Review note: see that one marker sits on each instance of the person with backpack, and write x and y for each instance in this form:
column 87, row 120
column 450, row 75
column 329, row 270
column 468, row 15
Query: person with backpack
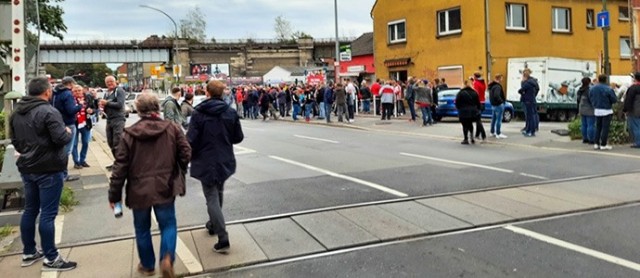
column 171, row 108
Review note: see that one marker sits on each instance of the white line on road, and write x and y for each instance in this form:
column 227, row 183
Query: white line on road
column 184, row 254
column 459, row 163
column 49, row 274
column 317, row 139
column 574, row 247
column 533, row 176
column 341, row 176
column 95, row 186
column 243, row 150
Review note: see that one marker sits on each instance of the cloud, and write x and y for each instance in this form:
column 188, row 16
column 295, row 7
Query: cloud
column 226, row 19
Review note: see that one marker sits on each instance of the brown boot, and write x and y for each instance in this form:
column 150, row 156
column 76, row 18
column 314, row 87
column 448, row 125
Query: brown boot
column 145, row 272
column 167, row 267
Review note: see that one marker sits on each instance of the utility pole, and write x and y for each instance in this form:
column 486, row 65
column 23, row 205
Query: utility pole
column 605, row 34
column 336, row 64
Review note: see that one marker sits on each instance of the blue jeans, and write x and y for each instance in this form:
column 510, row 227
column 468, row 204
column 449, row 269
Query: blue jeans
column 366, row 106
column 84, row 134
column 496, row 119
column 307, row 111
column 588, row 128
column 69, row 146
column 531, row 117
column 322, row 111
column 327, row 108
column 42, row 196
column 166, row 217
column 412, row 108
column 296, row 111
column 634, row 129
column 426, row 115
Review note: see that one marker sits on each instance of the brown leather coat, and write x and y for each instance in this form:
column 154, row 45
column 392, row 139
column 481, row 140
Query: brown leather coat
column 147, row 160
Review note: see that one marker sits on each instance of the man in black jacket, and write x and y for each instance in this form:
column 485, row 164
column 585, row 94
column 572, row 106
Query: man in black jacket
column 497, row 99
column 39, row 135
column 213, row 130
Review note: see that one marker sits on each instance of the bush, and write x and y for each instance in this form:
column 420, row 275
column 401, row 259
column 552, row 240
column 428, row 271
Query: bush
column 618, row 133
column 68, row 199
column 575, row 129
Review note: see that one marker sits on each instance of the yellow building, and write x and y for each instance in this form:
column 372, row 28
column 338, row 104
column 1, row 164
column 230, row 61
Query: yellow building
column 454, row 38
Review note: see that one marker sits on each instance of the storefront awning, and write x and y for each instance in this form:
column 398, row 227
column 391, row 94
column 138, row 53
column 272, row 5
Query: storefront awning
column 397, row 62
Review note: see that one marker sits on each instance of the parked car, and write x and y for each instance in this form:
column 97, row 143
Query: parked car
column 447, row 107
column 130, row 102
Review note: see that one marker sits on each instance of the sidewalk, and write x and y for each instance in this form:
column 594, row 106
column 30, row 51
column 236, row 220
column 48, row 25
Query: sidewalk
column 333, row 229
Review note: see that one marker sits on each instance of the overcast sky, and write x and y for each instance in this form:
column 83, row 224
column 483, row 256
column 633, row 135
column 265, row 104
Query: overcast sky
column 226, row 19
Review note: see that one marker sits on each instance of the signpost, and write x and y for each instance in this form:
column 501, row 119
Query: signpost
column 345, row 53
column 18, row 50
column 604, row 21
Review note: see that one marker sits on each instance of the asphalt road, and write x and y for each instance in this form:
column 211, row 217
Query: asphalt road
column 496, row 252
column 285, row 167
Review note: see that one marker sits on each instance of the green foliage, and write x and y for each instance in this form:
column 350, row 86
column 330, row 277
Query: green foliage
column 50, row 17
column 618, row 133
column 6, row 231
column 90, row 74
column 575, row 129
column 68, row 199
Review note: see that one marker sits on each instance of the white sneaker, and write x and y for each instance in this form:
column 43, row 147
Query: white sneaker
column 494, row 135
column 501, row 136
column 606, row 148
column 596, row 147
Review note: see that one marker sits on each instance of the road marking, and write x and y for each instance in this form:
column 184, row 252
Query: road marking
column 459, row 163
column 576, row 248
column 533, row 176
column 59, row 222
column 317, row 139
column 243, row 150
column 341, row 176
column 184, row 254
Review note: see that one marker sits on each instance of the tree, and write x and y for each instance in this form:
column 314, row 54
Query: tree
column 194, row 25
column 90, row 74
column 282, row 27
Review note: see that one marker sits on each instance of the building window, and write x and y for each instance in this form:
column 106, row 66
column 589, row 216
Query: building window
column 561, row 20
column 516, row 16
column 449, row 22
column 591, row 19
column 397, row 31
column 625, row 47
column 624, row 13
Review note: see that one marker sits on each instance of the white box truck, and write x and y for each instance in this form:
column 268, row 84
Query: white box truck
column 559, row 80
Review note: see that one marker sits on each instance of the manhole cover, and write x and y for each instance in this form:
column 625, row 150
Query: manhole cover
column 561, row 132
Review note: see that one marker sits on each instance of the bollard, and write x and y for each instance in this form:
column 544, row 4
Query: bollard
column 9, row 100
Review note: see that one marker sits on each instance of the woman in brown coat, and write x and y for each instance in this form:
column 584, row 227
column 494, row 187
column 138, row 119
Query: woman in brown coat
column 151, row 160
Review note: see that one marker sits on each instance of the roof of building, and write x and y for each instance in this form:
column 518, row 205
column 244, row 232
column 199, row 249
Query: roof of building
column 363, row 45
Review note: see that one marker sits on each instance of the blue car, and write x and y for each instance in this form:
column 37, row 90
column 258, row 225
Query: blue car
column 447, row 107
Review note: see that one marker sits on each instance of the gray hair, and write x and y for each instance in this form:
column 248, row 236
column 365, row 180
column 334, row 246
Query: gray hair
column 147, row 104
column 38, row 86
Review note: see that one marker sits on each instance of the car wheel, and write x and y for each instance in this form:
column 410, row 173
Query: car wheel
column 437, row 118
column 507, row 116
column 126, row 115
column 562, row 116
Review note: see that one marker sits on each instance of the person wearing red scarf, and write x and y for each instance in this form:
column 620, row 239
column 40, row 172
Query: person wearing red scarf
column 83, row 124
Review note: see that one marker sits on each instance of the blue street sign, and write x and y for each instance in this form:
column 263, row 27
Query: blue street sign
column 603, row 19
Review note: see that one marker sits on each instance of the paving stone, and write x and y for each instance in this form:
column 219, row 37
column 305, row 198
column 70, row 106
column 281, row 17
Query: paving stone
column 539, row 200
column 611, row 188
column 10, row 267
column 465, row 211
column 425, row 217
column 381, row 223
column 244, row 250
column 194, row 266
column 583, row 198
column 282, row 238
column 112, row 259
column 178, row 265
column 503, row 205
column 334, row 230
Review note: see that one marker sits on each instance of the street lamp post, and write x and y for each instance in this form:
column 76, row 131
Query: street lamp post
column 605, row 34
column 176, row 34
column 336, row 64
